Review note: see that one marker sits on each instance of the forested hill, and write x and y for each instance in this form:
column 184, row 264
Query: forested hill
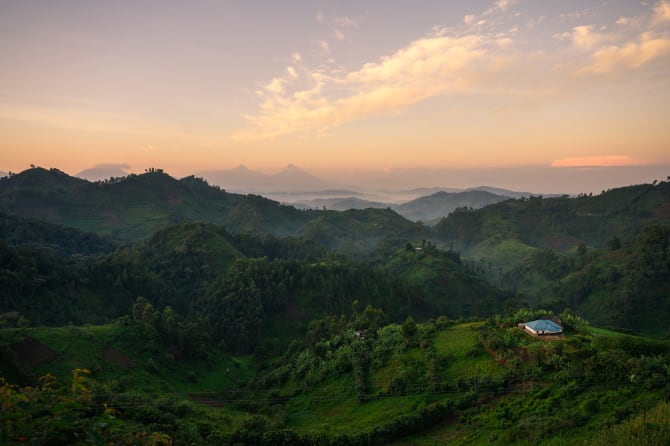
column 132, row 207
column 625, row 286
column 562, row 222
column 17, row 230
column 251, row 291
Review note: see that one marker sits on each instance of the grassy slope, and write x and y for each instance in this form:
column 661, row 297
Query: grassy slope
column 525, row 411
column 81, row 347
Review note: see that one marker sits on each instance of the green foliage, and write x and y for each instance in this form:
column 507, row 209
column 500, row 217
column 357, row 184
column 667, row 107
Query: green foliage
column 439, row 282
column 322, row 364
column 494, row 385
column 561, row 222
column 135, row 206
column 650, row 427
column 623, row 288
column 16, row 230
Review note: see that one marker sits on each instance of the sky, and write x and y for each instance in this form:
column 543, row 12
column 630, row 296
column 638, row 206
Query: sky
column 334, row 86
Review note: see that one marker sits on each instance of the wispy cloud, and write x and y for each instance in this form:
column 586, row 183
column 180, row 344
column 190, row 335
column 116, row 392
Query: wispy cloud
column 661, row 13
column 500, row 5
column 426, row 67
column 476, row 55
column 585, row 36
column 629, row 55
column 599, row 161
column 147, row 148
column 347, row 22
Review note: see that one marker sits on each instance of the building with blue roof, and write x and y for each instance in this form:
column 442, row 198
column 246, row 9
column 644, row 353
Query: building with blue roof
column 541, row 327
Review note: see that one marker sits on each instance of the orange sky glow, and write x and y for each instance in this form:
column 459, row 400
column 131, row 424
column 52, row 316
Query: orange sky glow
column 482, row 84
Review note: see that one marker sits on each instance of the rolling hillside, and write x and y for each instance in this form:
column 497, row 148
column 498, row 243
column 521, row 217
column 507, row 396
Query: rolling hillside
column 440, row 204
column 132, row 207
column 440, row 382
column 561, row 222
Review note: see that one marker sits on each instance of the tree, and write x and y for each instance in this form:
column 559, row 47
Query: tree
column 614, row 244
column 409, row 328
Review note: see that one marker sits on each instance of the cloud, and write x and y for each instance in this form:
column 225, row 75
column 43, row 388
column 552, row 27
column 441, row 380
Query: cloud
column 661, row 13
column 630, row 55
column 474, row 56
column 276, row 86
column 347, row 22
column 324, row 46
column 500, row 5
column 504, row 4
column 146, row 148
column 427, row 67
column 584, row 37
column 598, row 161
column 339, row 35
column 342, row 26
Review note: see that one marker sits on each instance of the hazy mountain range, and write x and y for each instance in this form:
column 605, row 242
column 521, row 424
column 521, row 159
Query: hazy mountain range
column 303, row 190
column 244, row 180
column 297, row 187
column 428, row 208
column 104, row 172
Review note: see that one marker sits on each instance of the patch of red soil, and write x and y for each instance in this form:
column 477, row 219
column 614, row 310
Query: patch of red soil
column 559, row 242
column 113, row 220
column 522, row 353
column 204, row 399
column 31, row 353
column 113, row 356
column 499, row 359
column 173, row 201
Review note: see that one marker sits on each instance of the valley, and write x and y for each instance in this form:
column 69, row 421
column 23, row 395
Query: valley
column 150, row 310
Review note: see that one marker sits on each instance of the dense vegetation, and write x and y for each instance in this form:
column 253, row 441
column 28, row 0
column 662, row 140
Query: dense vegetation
column 624, row 286
column 468, row 383
column 131, row 208
column 214, row 318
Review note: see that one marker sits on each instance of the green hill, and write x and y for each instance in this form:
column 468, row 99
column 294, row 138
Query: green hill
column 132, row 207
column 442, row 381
column 561, row 222
column 230, row 319
column 625, row 286
column 438, row 280
column 359, row 232
column 256, row 292
column 433, row 207
column 564, row 252
column 16, row 230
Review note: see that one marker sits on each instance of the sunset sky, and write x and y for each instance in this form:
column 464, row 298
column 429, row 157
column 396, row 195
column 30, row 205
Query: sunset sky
column 328, row 85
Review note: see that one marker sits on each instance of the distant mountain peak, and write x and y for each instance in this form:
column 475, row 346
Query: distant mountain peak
column 292, row 168
column 104, row 171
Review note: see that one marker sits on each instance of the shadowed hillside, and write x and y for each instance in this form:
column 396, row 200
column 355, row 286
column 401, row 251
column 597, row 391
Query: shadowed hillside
column 132, row 207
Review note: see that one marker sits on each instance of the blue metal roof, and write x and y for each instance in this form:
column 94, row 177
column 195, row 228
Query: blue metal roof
column 544, row 325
